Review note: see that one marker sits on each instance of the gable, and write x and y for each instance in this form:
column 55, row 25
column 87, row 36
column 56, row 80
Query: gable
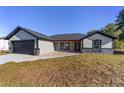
column 30, row 32
column 22, row 35
column 99, row 36
column 106, row 41
column 101, row 33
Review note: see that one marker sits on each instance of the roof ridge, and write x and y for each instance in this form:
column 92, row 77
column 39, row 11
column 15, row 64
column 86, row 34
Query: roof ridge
column 74, row 36
column 68, row 34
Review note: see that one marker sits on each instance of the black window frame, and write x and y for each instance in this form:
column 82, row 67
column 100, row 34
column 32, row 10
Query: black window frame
column 96, row 45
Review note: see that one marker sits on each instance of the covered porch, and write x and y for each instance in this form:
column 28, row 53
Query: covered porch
column 69, row 46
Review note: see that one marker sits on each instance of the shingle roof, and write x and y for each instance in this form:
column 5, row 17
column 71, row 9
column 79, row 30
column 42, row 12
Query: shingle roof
column 37, row 34
column 73, row 36
column 34, row 33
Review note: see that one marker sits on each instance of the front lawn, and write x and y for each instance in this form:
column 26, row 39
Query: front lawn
column 81, row 70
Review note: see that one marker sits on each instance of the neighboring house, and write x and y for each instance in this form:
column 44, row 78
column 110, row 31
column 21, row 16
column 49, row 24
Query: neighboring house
column 26, row 41
column 3, row 44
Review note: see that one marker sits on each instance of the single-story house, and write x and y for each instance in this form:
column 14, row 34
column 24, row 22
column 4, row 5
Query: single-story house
column 26, row 41
column 3, row 44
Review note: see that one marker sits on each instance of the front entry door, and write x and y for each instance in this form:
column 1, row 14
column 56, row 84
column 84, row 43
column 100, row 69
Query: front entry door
column 77, row 46
column 96, row 46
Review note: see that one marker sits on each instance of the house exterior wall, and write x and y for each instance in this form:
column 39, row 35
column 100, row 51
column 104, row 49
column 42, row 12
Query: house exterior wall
column 45, row 47
column 106, row 43
column 57, row 46
column 21, row 35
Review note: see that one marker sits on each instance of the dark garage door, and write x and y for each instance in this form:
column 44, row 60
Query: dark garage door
column 23, row 47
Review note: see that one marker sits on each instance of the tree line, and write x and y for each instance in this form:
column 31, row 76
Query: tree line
column 115, row 29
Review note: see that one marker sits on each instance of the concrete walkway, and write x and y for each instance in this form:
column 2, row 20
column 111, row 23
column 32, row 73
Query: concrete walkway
column 22, row 57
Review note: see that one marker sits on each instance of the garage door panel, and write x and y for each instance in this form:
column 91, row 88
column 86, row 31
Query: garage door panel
column 23, row 47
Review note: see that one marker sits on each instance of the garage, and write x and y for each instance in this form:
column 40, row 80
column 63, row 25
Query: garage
column 23, row 47
column 26, row 41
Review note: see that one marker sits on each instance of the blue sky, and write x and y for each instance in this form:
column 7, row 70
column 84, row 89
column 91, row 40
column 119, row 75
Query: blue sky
column 56, row 20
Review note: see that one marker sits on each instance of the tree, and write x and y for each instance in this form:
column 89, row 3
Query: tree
column 111, row 29
column 117, row 44
column 115, row 29
column 120, row 19
column 92, row 31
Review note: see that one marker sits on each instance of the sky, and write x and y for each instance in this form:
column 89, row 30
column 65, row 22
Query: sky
column 56, row 20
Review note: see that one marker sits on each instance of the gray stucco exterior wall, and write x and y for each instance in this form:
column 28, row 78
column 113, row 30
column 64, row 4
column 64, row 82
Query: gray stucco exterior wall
column 106, row 44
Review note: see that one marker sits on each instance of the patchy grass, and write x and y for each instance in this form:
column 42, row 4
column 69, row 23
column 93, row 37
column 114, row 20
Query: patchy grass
column 82, row 70
column 3, row 52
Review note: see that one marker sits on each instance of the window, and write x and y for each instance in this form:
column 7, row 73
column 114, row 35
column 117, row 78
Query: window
column 64, row 46
column 97, row 45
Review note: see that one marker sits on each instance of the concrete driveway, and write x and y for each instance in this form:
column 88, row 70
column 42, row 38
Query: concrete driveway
column 22, row 57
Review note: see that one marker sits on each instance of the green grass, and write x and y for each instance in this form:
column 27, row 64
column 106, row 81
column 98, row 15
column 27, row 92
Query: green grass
column 82, row 70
